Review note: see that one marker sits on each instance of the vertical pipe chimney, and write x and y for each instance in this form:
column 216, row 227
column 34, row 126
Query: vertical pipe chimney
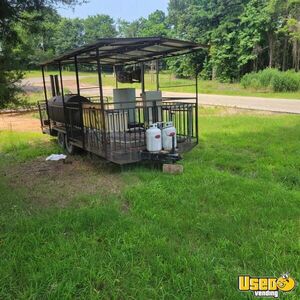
column 57, row 89
column 52, row 86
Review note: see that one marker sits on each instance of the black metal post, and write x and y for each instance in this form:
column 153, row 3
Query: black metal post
column 157, row 74
column 115, row 71
column 53, row 90
column 57, row 91
column 143, row 77
column 101, row 101
column 145, row 104
column 63, row 99
column 77, row 75
column 197, row 108
column 46, row 98
column 80, row 102
column 41, row 117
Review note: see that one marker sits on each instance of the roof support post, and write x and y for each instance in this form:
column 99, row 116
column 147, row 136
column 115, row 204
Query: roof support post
column 104, row 142
column 77, row 75
column 157, row 75
column 80, row 102
column 46, row 98
column 143, row 77
column 197, row 108
column 63, row 100
column 145, row 104
column 115, row 71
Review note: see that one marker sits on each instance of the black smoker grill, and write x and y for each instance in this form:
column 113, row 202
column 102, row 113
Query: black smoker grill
column 117, row 130
column 56, row 108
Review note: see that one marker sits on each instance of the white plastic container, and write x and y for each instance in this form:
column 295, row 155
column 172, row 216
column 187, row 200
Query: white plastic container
column 153, row 139
column 168, row 133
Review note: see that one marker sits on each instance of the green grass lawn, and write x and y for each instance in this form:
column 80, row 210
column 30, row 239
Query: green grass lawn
column 167, row 80
column 235, row 210
column 34, row 97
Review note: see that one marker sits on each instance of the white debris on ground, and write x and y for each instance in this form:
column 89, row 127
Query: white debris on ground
column 56, row 157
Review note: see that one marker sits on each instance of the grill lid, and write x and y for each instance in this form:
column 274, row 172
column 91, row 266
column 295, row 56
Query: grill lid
column 69, row 98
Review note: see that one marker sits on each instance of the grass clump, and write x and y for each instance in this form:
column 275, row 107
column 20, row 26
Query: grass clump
column 26, row 145
column 272, row 80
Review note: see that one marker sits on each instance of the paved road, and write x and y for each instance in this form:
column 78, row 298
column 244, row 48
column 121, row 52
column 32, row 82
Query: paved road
column 256, row 103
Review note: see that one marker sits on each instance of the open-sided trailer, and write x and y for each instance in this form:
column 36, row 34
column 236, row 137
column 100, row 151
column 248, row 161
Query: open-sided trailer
column 115, row 129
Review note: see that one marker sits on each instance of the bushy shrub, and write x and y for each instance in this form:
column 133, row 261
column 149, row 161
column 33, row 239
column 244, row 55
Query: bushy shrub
column 246, row 80
column 286, row 82
column 251, row 80
column 272, row 79
column 266, row 76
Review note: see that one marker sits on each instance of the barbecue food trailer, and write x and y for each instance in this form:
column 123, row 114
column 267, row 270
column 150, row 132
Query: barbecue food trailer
column 127, row 127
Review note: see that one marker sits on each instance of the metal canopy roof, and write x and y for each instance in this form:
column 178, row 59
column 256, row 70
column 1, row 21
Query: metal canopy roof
column 125, row 51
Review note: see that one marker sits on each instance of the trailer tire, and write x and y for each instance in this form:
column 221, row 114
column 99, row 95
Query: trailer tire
column 61, row 140
column 71, row 149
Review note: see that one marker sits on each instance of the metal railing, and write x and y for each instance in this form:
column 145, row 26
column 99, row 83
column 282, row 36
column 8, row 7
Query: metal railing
column 123, row 129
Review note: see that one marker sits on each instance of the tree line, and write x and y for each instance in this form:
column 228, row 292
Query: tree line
column 56, row 34
column 243, row 36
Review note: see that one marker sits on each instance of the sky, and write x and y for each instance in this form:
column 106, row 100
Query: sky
column 125, row 9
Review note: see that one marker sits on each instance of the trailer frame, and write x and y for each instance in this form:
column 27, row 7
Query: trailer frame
column 104, row 129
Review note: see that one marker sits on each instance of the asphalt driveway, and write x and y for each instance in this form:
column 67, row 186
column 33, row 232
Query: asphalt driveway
column 255, row 103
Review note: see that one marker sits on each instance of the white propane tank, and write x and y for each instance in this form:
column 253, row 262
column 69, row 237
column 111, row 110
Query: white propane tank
column 168, row 132
column 153, row 138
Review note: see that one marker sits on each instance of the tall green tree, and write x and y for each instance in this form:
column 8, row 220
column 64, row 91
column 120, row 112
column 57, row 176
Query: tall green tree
column 254, row 24
column 212, row 22
column 156, row 24
column 69, row 35
column 12, row 14
column 129, row 29
column 291, row 28
column 244, row 35
column 37, row 43
column 98, row 26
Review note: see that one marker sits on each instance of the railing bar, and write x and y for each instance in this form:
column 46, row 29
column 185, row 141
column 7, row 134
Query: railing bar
column 183, row 118
column 114, row 124
column 89, row 88
column 124, row 124
column 134, row 128
column 176, row 86
column 119, row 122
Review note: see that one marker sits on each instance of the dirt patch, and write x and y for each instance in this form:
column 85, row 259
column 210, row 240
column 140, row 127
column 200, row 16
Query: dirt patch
column 58, row 184
column 20, row 122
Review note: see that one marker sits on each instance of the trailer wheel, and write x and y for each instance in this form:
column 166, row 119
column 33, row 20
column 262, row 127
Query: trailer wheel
column 61, row 140
column 71, row 149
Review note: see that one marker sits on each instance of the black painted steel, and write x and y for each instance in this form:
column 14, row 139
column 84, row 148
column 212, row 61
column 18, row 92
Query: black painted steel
column 117, row 131
column 124, row 51
column 56, row 107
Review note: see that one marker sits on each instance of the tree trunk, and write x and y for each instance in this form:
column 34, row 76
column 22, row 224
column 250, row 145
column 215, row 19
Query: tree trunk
column 271, row 48
column 214, row 73
column 298, row 57
column 295, row 56
column 285, row 49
